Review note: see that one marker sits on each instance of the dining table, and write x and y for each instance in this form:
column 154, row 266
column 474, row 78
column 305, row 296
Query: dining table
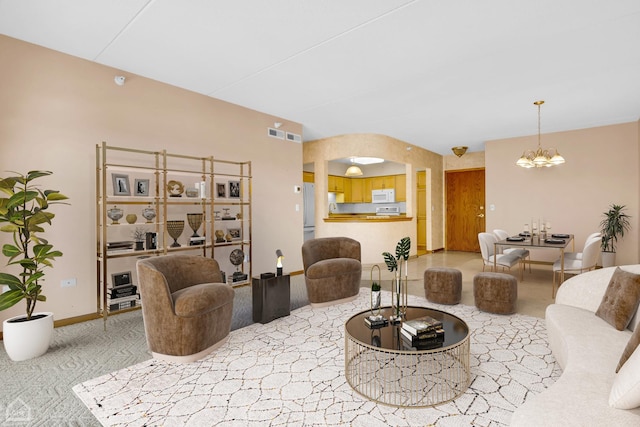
column 557, row 241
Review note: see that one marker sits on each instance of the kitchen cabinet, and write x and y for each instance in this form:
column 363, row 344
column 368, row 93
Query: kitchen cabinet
column 401, row 188
column 357, row 190
column 383, row 182
column 308, row 177
column 335, row 184
column 347, row 189
column 367, row 189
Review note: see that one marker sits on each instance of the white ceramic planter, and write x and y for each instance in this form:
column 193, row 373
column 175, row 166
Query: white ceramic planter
column 608, row 259
column 26, row 340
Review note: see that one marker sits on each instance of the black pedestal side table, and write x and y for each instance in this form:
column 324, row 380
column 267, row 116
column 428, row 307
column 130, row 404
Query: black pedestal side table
column 271, row 298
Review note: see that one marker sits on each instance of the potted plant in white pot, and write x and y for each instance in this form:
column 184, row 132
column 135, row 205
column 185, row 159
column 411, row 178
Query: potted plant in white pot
column 614, row 224
column 23, row 213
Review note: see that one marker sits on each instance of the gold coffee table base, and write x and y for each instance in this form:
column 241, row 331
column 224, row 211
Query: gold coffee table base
column 382, row 370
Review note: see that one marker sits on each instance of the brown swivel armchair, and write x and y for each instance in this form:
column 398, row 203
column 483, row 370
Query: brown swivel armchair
column 332, row 269
column 185, row 306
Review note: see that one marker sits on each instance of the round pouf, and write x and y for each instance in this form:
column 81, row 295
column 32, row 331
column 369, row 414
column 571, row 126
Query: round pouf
column 443, row 285
column 495, row 292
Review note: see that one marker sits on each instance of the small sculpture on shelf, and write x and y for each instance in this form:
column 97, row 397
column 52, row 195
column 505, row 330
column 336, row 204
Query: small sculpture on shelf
column 138, row 235
column 237, row 257
column 131, row 218
column 149, row 213
column 195, row 221
column 115, row 213
column 175, row 188
column 219, row 236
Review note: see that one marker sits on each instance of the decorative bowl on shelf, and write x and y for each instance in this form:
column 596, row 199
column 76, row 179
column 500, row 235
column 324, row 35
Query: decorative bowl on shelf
column 191, row 192
column 114, row 214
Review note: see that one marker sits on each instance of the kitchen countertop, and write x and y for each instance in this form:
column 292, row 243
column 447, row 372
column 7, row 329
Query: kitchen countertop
column 365, row 217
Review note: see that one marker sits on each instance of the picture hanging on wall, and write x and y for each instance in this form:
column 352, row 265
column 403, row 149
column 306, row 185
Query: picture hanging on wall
column 120, row 184
column 234, row 189
column 221, row 190
column 141, row 187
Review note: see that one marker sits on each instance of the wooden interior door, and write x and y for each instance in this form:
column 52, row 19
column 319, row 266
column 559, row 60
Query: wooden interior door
column 421, row 179
column 465, row 215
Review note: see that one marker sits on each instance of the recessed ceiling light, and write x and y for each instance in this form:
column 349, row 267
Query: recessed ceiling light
column 367, row 160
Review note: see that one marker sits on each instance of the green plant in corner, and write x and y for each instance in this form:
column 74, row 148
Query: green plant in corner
column 614, row 224
column 23, row 213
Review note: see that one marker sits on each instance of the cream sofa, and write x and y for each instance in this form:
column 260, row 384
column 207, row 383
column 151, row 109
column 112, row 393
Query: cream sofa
column 588, row 350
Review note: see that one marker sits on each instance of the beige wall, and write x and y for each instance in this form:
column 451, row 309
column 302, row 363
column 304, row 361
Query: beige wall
column 467, row 161
column 55, row 108
column 602, row 168
column 379, row 237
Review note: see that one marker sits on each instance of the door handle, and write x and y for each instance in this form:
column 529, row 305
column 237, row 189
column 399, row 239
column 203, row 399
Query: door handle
column 481, row 215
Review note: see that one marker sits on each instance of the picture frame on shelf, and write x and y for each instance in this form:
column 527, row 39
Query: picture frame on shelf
column 234, row 189
column 120, row 184
column 221, row 190
column 121, row 279
column 141, row 187
column 235, row 233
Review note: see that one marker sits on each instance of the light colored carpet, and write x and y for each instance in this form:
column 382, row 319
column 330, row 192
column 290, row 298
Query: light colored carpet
column 291, row 372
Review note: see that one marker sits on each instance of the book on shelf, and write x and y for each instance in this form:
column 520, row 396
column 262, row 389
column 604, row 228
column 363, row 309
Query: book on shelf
column 435, row 335
column 421, row 325
column 122, row 291
column 124, row 299
column 123, row 305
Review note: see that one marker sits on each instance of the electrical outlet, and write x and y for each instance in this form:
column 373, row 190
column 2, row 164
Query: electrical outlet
column 68, row 283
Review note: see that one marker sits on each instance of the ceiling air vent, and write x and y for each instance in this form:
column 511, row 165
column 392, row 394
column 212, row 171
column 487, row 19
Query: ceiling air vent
column 294, row 137
column 275, row 133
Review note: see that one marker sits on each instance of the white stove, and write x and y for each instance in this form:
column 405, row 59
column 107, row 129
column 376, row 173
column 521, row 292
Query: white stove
column 387, row 211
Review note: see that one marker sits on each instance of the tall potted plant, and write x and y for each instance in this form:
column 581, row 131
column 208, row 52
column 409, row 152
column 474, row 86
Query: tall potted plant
column 23, row 213
column 399, row 287
column 615, row 223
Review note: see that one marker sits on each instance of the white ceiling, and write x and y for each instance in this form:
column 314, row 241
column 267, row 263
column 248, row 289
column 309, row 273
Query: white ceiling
column 432, row 73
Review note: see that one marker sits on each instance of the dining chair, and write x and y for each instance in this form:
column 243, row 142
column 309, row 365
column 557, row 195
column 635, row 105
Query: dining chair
column 578, row 255
column 588, row 262
column 487, row 249
column 522, row 253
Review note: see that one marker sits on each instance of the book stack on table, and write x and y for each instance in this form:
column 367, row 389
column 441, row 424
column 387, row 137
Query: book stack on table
column 423, row 333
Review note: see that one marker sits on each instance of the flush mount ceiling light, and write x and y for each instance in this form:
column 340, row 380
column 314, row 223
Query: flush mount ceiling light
column 540, row 157
column 459, row 151
column 353, row 170
column 366, row 160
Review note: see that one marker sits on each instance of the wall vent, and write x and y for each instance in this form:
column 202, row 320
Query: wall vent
column 294, row 137
column 275, row 133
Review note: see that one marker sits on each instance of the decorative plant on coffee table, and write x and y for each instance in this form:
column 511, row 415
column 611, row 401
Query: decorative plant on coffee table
column 23, row 213
column 399, row 287
column 614, row 224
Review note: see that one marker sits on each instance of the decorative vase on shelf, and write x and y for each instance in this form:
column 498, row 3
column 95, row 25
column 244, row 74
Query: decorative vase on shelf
column 131, row 218
column 115, row 214
column 175, row 228
column 195, row 221
column 149, row 213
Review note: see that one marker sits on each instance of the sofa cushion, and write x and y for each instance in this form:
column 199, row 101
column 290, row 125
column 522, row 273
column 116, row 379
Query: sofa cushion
column 633, row 343
column 625, row 392
column 203, row 298
column 620, row 300
column 333, row 267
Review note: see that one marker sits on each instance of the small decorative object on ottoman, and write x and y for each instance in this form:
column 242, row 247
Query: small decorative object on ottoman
column 443, row 285
column 495, row 292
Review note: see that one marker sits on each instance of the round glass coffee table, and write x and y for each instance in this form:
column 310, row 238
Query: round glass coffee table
column 380, row 366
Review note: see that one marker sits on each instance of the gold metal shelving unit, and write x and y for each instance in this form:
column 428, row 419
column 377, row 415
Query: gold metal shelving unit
column 159, row 168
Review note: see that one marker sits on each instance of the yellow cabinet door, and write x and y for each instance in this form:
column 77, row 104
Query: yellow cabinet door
column 335, row 184
column 401, row 188
column 347, row 186
column 367, row 186
column 308, row 177
column 357, row 190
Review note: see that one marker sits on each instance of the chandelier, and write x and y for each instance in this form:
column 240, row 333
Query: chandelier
column 540, row 157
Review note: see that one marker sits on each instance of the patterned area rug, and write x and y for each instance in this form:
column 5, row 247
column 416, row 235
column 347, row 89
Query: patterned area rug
column 291, row 372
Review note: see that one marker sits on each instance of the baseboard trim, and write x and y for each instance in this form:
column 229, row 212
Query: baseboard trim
column 69, row 321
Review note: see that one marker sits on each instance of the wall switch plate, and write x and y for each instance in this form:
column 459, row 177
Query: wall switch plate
column 68, row 283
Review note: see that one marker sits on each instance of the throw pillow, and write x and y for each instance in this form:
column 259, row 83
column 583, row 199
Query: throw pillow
column 633, row 343
column 620, row 300
column 625, row 392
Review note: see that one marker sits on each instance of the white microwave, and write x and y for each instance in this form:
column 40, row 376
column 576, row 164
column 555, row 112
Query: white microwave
column 383, row 196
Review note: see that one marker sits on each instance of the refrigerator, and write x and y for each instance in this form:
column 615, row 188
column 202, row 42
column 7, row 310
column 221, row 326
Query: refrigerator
column 308, row 207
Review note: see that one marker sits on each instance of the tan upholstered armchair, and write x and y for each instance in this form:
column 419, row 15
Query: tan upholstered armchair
column 185, row 306
column 332, row 269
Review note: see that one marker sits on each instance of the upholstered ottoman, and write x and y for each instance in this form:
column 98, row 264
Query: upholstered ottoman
column 495, row 292
column 443, row 285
